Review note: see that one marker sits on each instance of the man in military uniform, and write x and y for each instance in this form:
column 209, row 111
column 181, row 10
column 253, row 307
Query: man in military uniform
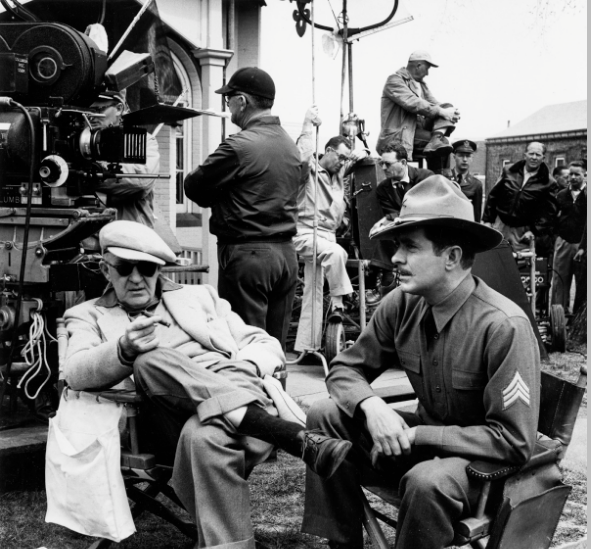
column 471, row 186
column 478, row 396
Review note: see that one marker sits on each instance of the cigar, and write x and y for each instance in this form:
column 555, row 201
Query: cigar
column 161, row 321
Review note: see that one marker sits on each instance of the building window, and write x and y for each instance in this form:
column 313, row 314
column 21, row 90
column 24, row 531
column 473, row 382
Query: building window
column 182, row 138
column 559, row 161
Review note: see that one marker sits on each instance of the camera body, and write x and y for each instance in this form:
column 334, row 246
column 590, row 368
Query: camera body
column 52, row 155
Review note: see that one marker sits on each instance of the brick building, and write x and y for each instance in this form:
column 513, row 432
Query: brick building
column 562, row 128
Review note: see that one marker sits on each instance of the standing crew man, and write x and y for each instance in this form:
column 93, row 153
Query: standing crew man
column 522, row 204
column 251, row 183
column 472, row 187
column 411, row 114
column 330, row 206
column 472, row 359
column 570, row 225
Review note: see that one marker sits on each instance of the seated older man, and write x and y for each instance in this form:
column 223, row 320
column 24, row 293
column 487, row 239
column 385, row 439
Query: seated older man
column 200, row 367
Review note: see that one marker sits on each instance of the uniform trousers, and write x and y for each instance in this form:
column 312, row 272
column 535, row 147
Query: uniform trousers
column 564, row 271
column 184, row 417
column 259, row 280
column 435, row 491
column 332, row 262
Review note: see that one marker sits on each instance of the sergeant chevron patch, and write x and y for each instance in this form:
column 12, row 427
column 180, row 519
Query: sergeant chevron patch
column 516, row 390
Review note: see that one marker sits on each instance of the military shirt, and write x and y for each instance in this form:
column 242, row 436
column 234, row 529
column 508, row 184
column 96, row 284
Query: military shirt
column 472, row 360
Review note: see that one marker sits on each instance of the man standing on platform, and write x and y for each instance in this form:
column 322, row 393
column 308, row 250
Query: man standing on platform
column 251, row 183
column 471, row 186
column 411, row 114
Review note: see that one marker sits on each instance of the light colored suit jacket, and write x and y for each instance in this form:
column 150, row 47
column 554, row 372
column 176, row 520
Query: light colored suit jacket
column 95, row 327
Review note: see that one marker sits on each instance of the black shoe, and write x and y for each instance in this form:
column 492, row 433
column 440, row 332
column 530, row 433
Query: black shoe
column 438, row 146
column 338, row 545
column 336, row 315
column 322, row 453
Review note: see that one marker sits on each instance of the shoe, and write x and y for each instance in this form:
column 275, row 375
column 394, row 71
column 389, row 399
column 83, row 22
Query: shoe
column 336, row 315
column 338, row 545
column 438, row 146
column 372, row 297
column 323, row 454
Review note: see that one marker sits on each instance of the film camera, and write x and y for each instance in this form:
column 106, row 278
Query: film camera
column 51, row 157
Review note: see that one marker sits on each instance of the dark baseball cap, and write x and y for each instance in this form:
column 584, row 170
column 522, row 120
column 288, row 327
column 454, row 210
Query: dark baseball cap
column 250, row 80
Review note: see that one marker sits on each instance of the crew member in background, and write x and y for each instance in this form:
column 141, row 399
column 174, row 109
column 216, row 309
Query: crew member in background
column 471, row 186
column 411, row 114
column 400, row 178
column 560, row 175
column 251, row 183
column 570, row 224
column 330, row 205
column 132, row 197
column 522, row 204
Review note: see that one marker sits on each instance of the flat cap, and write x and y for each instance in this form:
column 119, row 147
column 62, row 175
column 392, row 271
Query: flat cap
column 465, row 145
column 135, row 242
column 422, row 55
column 110, row 97
column 250, row 80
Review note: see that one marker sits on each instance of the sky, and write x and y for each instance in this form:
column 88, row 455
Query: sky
column 498, row 60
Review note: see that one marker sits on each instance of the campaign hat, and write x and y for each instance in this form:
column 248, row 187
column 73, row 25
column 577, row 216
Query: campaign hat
column 464, row 145
column 422, row 55
column 135, row 242
column 250, row 80
column 437, row 201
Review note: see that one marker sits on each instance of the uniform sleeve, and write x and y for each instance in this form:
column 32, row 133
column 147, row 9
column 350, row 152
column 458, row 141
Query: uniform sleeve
column 124, row 189
column 398, row 91
column 206, row 184
column 352, row 370
column 91, row 362
column 254, row 344
column 511, row 401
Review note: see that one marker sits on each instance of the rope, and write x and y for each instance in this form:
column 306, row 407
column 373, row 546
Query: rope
column 35, row 352
column 315, row 224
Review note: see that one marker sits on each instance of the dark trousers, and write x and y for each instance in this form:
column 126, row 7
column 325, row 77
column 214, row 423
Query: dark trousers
column 259, row 280
column 436, row 492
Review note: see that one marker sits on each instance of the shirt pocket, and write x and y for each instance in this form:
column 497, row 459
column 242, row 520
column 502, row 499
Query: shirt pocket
column 468, row 402
column 465, row 380
column 411, row 363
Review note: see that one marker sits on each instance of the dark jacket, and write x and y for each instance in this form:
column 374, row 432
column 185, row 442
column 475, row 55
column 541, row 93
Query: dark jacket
column 390, row 197
column 572, row 215
column 533, row 206
column 251, row 183
column 472, row 189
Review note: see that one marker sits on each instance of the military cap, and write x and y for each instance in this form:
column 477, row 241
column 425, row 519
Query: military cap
column 250, row 80
column 438, row 202
column 135, row 242
column 464, row 146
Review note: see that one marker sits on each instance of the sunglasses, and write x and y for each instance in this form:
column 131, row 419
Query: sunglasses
column 228, row 97
column 385, row 164
column 341, row 157
column 145, row 268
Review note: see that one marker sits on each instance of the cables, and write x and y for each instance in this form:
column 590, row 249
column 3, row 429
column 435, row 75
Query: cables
column 35, row 352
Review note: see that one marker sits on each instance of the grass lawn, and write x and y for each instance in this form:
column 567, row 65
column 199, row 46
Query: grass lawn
column 277, row 490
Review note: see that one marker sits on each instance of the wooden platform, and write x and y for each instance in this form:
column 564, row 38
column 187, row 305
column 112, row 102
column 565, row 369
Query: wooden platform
column 22, row 458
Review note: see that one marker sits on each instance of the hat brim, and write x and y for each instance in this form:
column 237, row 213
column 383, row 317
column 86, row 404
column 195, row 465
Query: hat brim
column 485, row 238
column 134, row 255
column 225, row 90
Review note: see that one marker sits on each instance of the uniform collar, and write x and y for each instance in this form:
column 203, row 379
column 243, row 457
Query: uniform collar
column 445, row 310
column 109, row 299
column 266, row 120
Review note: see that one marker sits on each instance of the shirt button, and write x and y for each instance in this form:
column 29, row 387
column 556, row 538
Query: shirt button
column 435, row 363
column 436, row 336
column 438, row 389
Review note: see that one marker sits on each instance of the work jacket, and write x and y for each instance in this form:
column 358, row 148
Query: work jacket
column 532, row 205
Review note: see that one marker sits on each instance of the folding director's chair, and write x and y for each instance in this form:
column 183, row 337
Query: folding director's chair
column 519, row 506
